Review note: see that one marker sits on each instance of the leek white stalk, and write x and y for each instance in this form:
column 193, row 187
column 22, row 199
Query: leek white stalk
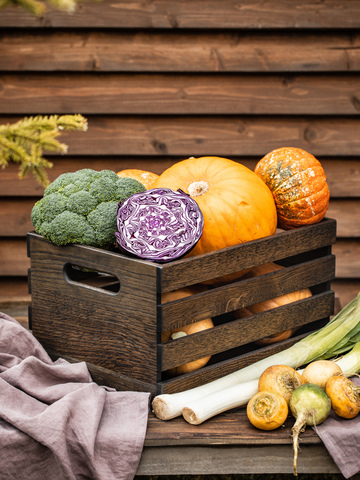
column 336, row 334
column 202, row 409
column 350, row 363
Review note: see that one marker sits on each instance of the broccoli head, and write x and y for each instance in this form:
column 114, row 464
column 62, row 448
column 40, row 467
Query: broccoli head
column 80, row 207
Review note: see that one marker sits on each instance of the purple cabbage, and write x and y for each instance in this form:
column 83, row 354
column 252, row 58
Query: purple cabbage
column 159, row 224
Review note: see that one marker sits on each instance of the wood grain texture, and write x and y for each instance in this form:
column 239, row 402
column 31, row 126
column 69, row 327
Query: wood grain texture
column 113, row 331
column 14, row 288
column 141, row 51
column 247, row 255
column 230, row 297
column 118, row 330
column 224, row 136
column 210, row 460
column 179, row 94
column 244, row 331
column 229, row 428
column 14, row 261
column 160, row 14
column 347, row 254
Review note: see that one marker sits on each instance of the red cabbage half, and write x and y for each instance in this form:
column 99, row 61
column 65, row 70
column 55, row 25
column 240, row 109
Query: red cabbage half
column 159, row 224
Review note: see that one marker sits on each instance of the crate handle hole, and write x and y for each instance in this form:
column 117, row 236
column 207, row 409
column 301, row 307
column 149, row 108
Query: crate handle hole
column 92, row 279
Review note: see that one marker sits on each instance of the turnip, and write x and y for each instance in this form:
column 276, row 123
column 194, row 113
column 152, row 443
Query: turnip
column 310, row 405
column 280, row 379
column 344, row 396
column 267, row 410
column 320, row 371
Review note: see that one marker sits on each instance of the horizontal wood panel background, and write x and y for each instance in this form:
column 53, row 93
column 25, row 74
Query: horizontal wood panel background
column 161, row 81
column 212, row 135
column 222, row 94
column 142, row 51
column 183, row 14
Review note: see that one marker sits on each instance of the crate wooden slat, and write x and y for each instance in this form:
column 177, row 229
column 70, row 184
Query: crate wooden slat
column 105, row 308
column 246, row 292
column 245, row 330
column 247, row 255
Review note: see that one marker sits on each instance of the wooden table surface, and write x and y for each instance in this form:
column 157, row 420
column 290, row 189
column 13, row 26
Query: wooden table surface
column 229, row 444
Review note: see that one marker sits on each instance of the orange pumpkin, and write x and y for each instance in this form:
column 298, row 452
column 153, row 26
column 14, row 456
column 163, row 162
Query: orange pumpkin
column 237, row 206
column 298, row 184
column 142, row 176
column 185, row 330
column 272, row 303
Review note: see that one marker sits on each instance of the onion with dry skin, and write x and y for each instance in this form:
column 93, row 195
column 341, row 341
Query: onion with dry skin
column 185, row 330
column 267, row 410
column 270, row 304
column 320, row 371
column 344, row 396
column 280, row 379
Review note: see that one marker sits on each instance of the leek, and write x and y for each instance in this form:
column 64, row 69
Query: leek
column 339, row 334
column 350, row 363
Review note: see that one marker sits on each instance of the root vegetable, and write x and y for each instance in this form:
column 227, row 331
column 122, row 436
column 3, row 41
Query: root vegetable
column 280, row 379
column 310, row 405
column 320, row 371
column 267, row 410
column 344, row 396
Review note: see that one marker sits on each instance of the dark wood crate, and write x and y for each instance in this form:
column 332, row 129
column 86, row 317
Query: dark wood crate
column 109, row 313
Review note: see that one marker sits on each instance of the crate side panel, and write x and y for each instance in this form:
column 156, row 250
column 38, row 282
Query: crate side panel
column 230, row 260
column 213, row 372
column 246, row 330
column 113, row 331
column 239, row 358
column 246, row 291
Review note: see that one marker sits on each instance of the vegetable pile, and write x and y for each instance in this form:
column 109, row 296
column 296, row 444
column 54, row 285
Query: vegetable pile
column 272, row 388
column 340, row 335
column 236, row 204
column 200, row 205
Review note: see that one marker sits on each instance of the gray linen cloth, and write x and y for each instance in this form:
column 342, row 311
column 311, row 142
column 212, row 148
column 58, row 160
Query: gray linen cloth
column 56, row 423
column 341, row 438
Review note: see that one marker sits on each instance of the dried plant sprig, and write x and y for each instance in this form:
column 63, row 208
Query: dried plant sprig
column 38, row 8
column 24, row 141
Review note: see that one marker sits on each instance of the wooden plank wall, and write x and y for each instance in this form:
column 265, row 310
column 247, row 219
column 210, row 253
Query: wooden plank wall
column 160, row 81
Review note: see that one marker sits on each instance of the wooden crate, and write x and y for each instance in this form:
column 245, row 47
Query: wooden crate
column 109, row 312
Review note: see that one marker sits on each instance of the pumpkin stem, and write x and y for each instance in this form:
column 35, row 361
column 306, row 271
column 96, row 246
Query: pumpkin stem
column 176, row 335
column 198, row 188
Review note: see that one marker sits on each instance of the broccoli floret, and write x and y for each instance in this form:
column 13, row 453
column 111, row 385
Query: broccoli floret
column 69, row 227
column 103, row 220
column 80, row 207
